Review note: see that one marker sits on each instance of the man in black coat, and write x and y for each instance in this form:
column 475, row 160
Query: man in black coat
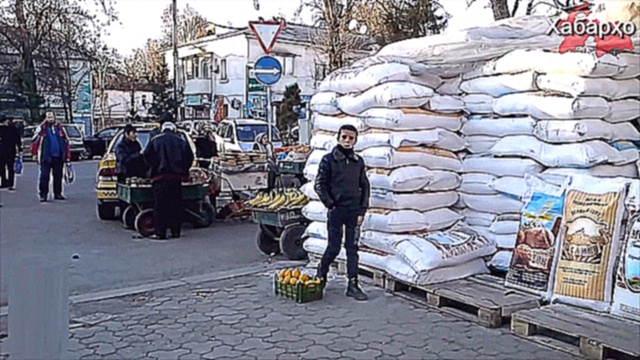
column 169, row 158
column 10, row 147
column 129, row 160
column 343, row 188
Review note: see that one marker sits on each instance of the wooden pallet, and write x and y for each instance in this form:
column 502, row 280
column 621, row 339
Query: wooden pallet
column 374, row 276
column 481, row 299
column 596, row 336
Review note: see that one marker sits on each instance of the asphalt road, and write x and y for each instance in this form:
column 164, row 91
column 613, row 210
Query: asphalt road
column 109, row 258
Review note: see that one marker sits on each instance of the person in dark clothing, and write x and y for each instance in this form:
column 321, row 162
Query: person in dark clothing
column 206, row 146
column 10, row 147
column 263, row 144
column 51, row 149
column 129, row 160
column 343, row 188
column 169, row 158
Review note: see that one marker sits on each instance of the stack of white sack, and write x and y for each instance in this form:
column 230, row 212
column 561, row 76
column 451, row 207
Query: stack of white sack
column 408, row 139
column 541, row 112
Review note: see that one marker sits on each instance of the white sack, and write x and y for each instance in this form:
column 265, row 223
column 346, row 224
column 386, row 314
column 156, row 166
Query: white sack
column 333, row 123
column 477, row 183
column 417, row 201
column 433, row 250
column 317, row 230
column 496, row 204
column 623, row 110
column 315, row 211
column 323, row 141
column 541, row 106
column 325, row 103
column 606, row 171
column 402, row 221
column 575, row 86
column 379, row 241
column 450, row 86
column 410, row 120
column 478, row 219
column 309, row 191
column 372, row 260
column 310, row 172
column 568, row 131
column 580, row 155
column 412, row 179
column 513, row 186
column 502, row 241
column 391, row 95
column 480, row 144
column 626, row 291
column 501, row 166
column 360, row 79
column 436, row 138
column 496, row 86
column 499, row 127
column 444, row 104
column 316, row 156
column 500, row 261
column 433, row 159
column 632, row 66
column 317, row 246
column 399, row 269
column 543, row 62
column 504, row 227
column 478, row 104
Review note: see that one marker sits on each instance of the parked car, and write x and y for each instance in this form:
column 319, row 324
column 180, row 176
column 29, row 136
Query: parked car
column 97, row 144
column 240, row 134
column 106, row 179
column 76, row 141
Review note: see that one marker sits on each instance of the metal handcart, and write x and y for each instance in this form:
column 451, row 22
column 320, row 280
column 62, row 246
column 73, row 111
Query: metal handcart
column 139, row 213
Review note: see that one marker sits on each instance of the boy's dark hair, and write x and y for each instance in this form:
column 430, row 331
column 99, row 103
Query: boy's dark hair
column 128, row 129
column 347, row 128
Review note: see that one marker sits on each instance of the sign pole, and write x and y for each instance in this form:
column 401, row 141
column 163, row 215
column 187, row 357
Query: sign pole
column 269, row 114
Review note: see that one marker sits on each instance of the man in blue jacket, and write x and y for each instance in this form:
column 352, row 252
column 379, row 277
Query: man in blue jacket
column 51, row 150
column 343, row 188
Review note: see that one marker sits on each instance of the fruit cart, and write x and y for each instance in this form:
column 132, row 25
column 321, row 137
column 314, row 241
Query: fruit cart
column 281, row 231
column 138, row 214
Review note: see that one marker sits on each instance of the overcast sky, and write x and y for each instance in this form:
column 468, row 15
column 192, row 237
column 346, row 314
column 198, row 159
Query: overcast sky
column 141, row 18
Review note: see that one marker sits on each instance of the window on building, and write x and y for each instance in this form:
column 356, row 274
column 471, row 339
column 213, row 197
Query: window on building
column 189, row 69
column 223, row 70
column 321, row 72
column 195, row 65
column 206, row 64
column 289, row 65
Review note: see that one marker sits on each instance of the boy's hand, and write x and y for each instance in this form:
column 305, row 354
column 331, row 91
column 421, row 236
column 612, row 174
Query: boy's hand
column 360, row 220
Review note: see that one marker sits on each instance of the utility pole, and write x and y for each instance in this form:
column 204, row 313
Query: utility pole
column 175, row 59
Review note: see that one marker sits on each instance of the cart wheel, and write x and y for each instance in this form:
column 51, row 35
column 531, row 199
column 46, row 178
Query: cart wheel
column 206, row 214
column 267, row 244
column 291, row 242
column 129, row 217
column 145, row 222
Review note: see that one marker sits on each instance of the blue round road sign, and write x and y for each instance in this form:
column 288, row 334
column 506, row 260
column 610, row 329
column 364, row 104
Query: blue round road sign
column 267, row 70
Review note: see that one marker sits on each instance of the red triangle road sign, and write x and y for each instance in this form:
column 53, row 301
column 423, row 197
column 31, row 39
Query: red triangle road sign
column 267, row 32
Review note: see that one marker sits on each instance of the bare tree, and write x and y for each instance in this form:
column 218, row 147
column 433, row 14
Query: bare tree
column 135, row 74
column 104, row 71
column 501, row 7
column 191, row 25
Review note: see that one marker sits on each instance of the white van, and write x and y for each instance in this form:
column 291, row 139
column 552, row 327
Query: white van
column 240, row 134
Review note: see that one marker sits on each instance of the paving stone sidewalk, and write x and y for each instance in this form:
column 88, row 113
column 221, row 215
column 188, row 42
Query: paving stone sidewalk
column 241, row 318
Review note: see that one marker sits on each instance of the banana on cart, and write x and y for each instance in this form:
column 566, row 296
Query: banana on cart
column 275, row 200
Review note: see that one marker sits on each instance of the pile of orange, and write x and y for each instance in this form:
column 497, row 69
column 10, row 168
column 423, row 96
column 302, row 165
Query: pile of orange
column 295, row 276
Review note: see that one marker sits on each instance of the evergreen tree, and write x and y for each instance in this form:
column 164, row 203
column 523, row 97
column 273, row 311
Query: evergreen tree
column 289, row 110
column 163, row 101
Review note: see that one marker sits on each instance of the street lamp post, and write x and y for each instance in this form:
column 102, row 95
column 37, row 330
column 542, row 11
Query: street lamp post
column 175, row 59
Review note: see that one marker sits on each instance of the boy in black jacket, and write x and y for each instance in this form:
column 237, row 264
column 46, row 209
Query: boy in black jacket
column 343, row 188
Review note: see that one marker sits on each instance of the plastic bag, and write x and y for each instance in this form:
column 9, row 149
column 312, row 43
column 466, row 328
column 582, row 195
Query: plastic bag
column 69, row 174
column 17, row 165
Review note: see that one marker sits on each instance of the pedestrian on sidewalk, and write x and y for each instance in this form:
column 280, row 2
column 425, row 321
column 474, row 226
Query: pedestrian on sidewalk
column 10, row 147
column 51, row 150
column 343, row 188
column 169, row 158
column 129, row 159
column 265, row 146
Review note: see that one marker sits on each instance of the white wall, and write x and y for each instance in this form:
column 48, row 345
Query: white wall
column 120, row 102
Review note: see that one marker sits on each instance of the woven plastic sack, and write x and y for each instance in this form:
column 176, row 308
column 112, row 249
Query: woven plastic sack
column 412, row 179
column 495, row 204
column 574, row 85
column 416, row 201
column 569, row 131
column 498, row 127
column 333, row 123
column 541, row 106
column 501, row 166
column 496, row 86
column 436, row 138
column 325, row 103
column 433, row 159
column 391, row 95
column 480, row 144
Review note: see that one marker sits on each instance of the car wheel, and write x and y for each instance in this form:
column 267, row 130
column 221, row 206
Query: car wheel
column 88, row 154
column 106, row 211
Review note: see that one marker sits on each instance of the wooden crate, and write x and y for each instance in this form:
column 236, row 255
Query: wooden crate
column 482, row 300
column 579, row 332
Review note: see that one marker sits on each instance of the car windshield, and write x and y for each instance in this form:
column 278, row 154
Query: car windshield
column 73, row 131
column 143, row 139
column 248, row 133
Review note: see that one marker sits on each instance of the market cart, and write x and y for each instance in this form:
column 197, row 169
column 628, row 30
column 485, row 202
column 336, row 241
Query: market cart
column 293, row 168
column 281, row 231
column 138, row 214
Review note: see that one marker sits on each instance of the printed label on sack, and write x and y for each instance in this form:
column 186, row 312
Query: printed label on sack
column 580, row 26
column 455, row 242
column 533, row 253
column 626, row 296
column 587, row 235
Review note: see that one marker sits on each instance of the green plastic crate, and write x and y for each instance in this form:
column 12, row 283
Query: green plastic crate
column 298, row 292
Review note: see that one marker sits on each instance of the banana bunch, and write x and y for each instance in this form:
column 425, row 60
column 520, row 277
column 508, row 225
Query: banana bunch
column 274, row 199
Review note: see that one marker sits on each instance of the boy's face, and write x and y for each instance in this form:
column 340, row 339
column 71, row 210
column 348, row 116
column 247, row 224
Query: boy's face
column 347, row 139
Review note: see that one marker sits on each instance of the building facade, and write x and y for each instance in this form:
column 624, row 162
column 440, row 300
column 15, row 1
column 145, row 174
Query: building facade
column 215, row 72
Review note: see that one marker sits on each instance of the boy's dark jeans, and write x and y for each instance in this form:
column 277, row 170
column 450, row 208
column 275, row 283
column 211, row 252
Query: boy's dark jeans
column 342, row 221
